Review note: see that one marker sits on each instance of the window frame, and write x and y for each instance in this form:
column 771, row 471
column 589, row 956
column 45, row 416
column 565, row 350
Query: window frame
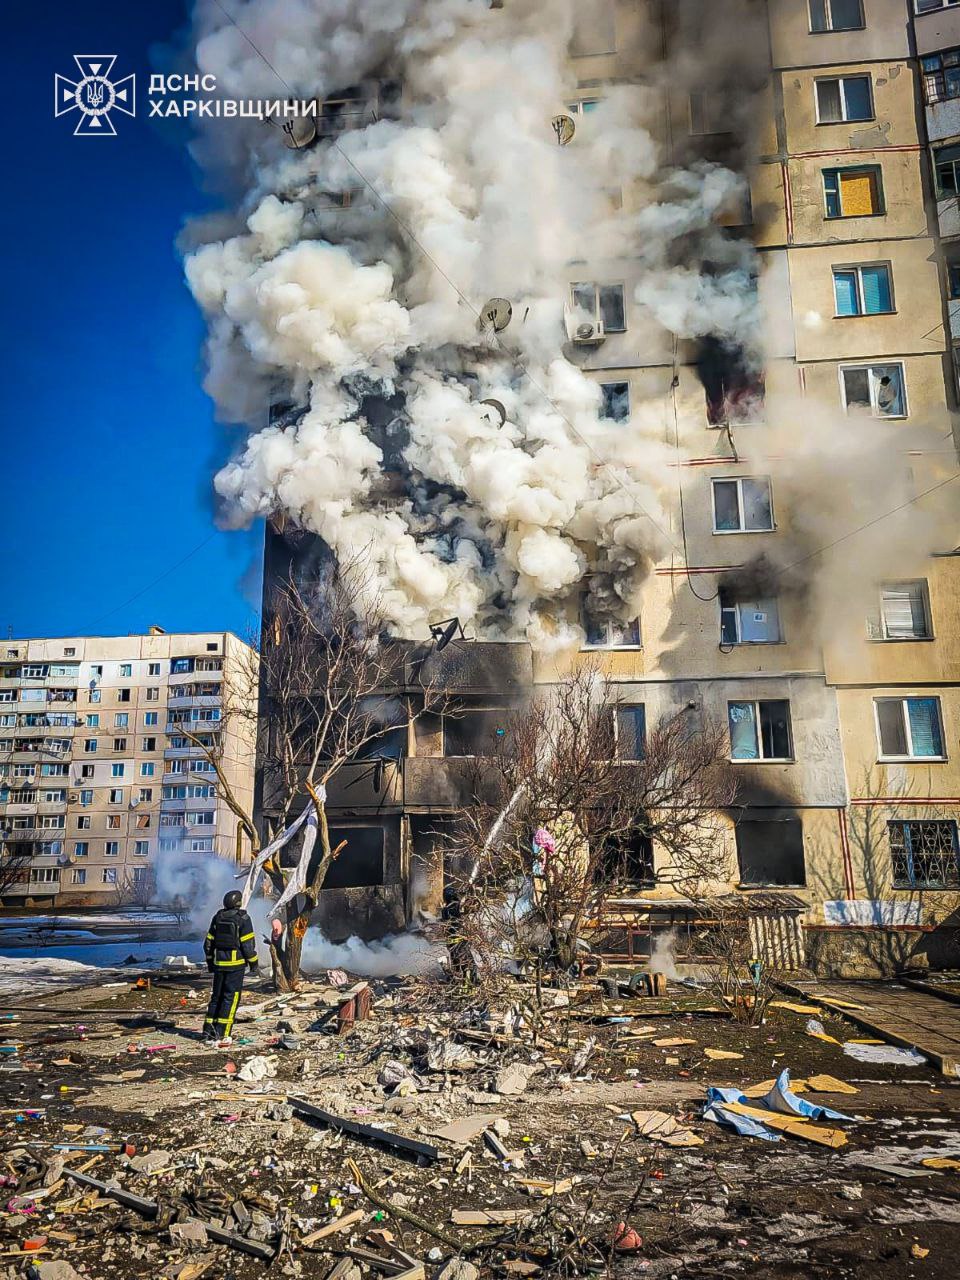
column 760, row 758
column 874, row 170
column 597, row 313
column 942, row 4
column 911, row 883
column 856, row 269
column 869, row 367
column 882, row 758
column 830, row 29
column 844, row 118
column 734, row 609
column 638, row 710
column 606, row 644
column 606, row 417
column 881, row 627
column 738, row 480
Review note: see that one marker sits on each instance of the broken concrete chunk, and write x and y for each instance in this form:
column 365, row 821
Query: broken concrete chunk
column 511, row 1081
column 456, row 1269
column 188, row 1234
column 464, row 1130
column 151, row 1161
column 56, row 1270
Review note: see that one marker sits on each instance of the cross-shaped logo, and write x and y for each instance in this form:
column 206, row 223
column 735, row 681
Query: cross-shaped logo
column 95, row 95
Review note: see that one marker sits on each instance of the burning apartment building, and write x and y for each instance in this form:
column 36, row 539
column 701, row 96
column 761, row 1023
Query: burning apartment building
column 618, row 331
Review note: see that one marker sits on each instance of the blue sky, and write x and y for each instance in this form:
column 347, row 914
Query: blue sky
column 109, row 443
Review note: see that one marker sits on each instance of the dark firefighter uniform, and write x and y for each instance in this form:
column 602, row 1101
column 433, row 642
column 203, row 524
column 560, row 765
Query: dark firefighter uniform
column 230, row 948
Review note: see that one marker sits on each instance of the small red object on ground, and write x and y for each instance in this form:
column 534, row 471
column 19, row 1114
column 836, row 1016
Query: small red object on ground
column 626, row 1240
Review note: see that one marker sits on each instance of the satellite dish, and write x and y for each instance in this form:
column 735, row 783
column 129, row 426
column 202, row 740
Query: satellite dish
column 299, row 131
column 497, row 408
column 564, row 127
column 495, row 314
column 443, row 632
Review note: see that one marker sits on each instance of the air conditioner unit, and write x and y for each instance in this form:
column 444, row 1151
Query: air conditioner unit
column 588, row 332
column 74, row 797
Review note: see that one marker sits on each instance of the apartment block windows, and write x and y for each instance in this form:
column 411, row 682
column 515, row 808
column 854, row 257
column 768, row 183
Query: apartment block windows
column 835, row 15
column 148, row 769
column 119, row 744
column 929, row 6
column 153, row 669
column 709, row 113
column 924, row 855
column 94, row 695
column 141, row 848
column 760, row 730
column 86, row 796
column 941, row 76
column 201, row 818
column 853, row 193
column 946, row 164
column 117, row 770
column 909, row 728
column 863, row 290
column 116, row 795
column 843, row 98
column 631, row 726
column 153, row 693
column 770, row 848
column 742, row 506
column 93, row 721
column 45, row 875
column 904, row 612
column 148, row 744
column 126, row 669
column 603, row 632
column 80, row 848
column 84, row 822
column 79, row 875
column 113, row 822
column 109, row 875
column 111, row 848
column 615, row 402
column 123, row 695
column 601, row 302
column 150, row 719
column 121, row 720
column 743, row 621
column 90, row 745
column 878, row 388
column 145, row 795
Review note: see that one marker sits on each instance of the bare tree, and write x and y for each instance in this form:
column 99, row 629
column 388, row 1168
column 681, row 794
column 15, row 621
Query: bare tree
column 13, row 863
column 332, row 689
column 562, row 807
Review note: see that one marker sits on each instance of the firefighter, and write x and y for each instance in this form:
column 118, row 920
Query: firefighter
column 230, row 948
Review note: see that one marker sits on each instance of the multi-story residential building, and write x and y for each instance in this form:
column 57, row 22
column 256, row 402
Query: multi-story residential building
column 838, row 677
column 97, row 778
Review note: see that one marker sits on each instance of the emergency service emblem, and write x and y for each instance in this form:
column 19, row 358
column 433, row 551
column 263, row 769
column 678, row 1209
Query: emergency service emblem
column 94, row 95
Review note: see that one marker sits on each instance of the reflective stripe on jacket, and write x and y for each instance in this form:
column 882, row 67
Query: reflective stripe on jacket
column 230, row 940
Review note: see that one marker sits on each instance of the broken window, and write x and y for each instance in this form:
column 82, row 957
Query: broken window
column 770, row 850
column 946, row 163
column 904, row 612
column 760, row 730
column 748, row 621
column 474, row 733
column 631, row 732
column 835, row 15
column 843, row 98
column 863, row 290
column 742, row 505
column 361, row 862
column 877, row 387
column 924, row 854
column 629, row 858
column 733, row 386
column 853, row 193
column 941, row 76
column 604, row 302
column 909, row 728
column 615, row 402
column 607, row 633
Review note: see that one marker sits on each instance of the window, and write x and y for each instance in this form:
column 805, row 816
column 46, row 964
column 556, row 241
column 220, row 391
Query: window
column 582, row 107
column 97, row 669
column 748, row 621
column 201, row 818
column 615, row 403
column 150, row 718
column 608, row 633
column 742, row 506
column 52, row 821
column 69, row 652
column 121, row 720
column 863, row 291
column 94, row 695
column 84, row 822
column 113, row 822
column 141, row 848
column 924, row 855
column 213, row 646
column 119, row 744
column 54, row 770
column 760, row 730
column 878, row 388
column 116, row 795
column 153, row 694
column 116, row 770
column 179, row 666
column 909, row 728
column 111, row 848
column 770, row 849
column 54, row 797
column 123, row 695
column 148, row 770
column 904, row 612
column 93, row 721
column 126, row 669
column 603, row 302
column 941, row 76
column 946, row 163
column 202, row 845
column 86, row 771
column 79, row 875
column 835, row 15
column 143, row 821
column 843, row 98
column 149, row 744
column 33, row 672
column 928, row 6
column 953, row 280
column 86, row 796
column 153, row 669
column 145, row 795
column 90, row 745
column 80, row 848
column 44, row 875
column 709, row 113
column 109, row 875
column 631, row 726
column 853, row 193
column 361, row 863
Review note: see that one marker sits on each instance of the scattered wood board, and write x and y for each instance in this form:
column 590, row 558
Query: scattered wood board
column 828, row 1084
column 795, row 1126
column 341, row 1224
column 721, row 1055
column 659, row 1126
column 489, row 1217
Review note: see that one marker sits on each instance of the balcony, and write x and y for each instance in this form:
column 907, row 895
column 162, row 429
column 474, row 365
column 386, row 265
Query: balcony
column 437, row 782
column 19, row 808
column 193, row 700
column 183, row 753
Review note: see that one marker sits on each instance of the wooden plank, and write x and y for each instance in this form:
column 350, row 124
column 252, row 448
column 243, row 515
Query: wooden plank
column 489, row 1217
column 795, row 1126
column 341, row 1224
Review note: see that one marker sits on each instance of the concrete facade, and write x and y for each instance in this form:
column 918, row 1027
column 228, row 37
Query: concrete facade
column 97, row 781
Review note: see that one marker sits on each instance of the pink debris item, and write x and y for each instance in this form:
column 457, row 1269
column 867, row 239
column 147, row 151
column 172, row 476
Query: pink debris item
column 544, row 840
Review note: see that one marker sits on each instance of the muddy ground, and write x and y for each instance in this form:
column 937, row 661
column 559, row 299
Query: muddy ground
column 732, row 1205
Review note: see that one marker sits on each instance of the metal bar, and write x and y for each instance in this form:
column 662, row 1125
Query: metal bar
column 368, row 1131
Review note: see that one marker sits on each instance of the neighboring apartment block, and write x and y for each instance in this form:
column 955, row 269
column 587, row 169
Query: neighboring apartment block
column 97, row 778
column 836, row 672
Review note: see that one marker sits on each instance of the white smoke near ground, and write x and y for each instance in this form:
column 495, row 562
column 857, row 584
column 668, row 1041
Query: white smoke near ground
column 663, row 955
column 396, row 955
column 193, row 884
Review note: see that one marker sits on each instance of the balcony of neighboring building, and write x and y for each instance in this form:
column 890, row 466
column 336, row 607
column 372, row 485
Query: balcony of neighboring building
column 180, row 701
column 936, row 24
column 190, row 752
